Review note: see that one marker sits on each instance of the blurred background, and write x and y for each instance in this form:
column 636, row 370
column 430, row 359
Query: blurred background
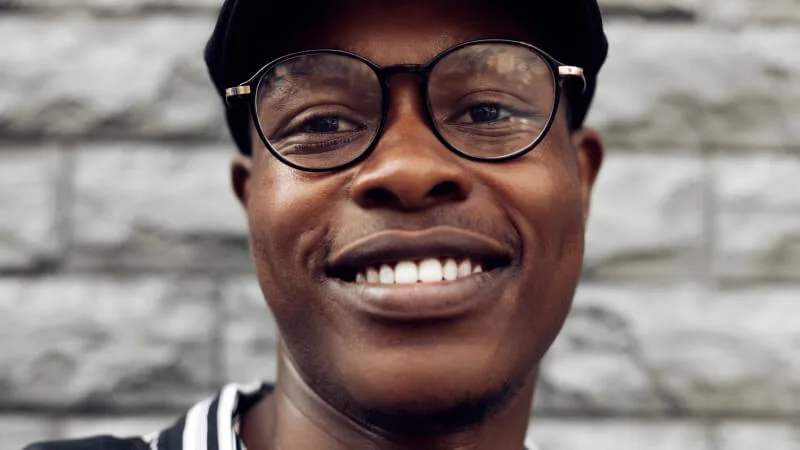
column 126, row 292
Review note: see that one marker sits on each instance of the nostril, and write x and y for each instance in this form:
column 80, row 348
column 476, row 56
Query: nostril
column 380, row 197
column 447, row 190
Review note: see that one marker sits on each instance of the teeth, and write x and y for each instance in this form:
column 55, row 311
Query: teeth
column 373, row 276
column 450, row 270
column 430, row 270
column 386, row 275
column 465, row 268
column 406, row 272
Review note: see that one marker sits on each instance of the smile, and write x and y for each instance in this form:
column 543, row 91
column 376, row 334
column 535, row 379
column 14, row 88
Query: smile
column 419, row 275
column 441, row 254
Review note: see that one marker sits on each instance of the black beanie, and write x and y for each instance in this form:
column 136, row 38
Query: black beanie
column 249, row 34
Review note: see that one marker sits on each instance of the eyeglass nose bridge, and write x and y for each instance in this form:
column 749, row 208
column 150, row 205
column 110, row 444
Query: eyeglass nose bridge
column 423, row 72
column 416, row 69
column 386, row 72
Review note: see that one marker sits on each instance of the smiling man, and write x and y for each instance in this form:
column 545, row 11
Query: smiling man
column 416, row 178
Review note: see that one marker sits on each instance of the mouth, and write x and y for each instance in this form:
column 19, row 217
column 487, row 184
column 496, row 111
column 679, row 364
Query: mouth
column 439, row 273
column 441, row 255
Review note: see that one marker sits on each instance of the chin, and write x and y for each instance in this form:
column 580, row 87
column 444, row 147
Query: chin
column 430, row 388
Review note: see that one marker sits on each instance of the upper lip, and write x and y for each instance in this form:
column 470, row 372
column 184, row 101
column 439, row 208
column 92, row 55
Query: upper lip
column 399, row 245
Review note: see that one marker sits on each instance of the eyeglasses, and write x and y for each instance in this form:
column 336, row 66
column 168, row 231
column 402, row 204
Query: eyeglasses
column 487, row 100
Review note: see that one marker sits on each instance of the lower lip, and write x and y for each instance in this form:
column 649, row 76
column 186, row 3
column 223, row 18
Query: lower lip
column 423, row 301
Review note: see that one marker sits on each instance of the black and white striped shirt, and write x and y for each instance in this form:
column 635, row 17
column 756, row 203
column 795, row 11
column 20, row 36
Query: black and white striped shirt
column 208, row 425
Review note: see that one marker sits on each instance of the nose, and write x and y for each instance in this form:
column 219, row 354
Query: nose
column 410, row 169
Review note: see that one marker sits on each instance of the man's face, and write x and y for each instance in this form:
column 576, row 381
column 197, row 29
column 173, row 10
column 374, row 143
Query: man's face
column 373, row 348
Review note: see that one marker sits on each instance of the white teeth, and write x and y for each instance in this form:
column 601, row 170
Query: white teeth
column 386, row 275
column 373, row 276
column 430, row 271
column 450, row 270
column 406, row 273
column 465, row 268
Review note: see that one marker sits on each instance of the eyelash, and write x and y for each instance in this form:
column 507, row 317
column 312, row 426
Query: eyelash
column 301, row 148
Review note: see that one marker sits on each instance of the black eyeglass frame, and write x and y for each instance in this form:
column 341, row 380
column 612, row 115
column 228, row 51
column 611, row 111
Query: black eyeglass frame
column 248, row 91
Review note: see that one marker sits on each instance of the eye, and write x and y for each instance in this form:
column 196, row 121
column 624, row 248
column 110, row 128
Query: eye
column 318, row 132
column 319, row 123
column 483, row 113
column 326, row 124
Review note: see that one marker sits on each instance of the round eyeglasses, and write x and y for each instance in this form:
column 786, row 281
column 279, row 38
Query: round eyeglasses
column 488, row 100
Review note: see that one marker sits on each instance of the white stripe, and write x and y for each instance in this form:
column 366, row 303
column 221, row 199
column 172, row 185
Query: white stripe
column 152, row 440
column 227, row 404
column 195, row 431
column 250, row 388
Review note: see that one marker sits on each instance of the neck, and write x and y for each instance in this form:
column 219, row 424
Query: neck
column 294, row 417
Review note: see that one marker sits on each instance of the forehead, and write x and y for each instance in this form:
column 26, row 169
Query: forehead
column 409, row 32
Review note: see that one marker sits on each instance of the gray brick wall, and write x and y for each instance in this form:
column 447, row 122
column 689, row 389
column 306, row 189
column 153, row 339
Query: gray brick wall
column 125, row 286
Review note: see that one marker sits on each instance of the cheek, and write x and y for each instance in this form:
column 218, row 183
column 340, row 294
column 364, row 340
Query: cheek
column 278, row 208
column 549, row 216
column 555, row 215
column 287, row 220
column 544, row 195
column 544, row 191
column 290, row 217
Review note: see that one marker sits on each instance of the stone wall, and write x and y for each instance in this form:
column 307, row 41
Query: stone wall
column 126, row 291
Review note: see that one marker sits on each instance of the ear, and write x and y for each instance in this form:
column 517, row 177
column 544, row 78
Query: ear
column 589, row 149
column 241, row 174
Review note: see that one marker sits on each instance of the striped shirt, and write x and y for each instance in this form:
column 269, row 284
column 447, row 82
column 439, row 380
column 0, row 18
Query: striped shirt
column 208, row 425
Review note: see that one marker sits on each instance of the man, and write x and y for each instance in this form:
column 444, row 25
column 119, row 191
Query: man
column 416, row 180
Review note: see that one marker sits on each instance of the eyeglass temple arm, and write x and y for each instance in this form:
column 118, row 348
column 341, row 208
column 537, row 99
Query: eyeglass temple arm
column 237, row 91
column 573, row 71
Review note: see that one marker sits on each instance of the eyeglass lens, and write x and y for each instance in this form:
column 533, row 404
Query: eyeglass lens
column 487, row 100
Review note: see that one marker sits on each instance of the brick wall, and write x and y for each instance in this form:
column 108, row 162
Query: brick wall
column 126, row 291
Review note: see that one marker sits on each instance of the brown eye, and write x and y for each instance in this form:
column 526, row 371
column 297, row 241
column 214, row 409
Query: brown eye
column 325, row 124
column 484, row 113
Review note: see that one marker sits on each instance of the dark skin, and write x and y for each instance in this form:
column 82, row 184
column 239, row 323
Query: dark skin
column 456, row 380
